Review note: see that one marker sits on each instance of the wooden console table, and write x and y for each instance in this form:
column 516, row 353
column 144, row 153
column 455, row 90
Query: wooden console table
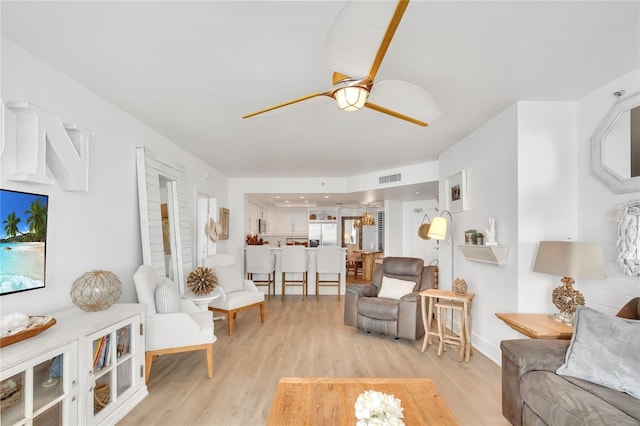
column 331, row 401
column 537, row 326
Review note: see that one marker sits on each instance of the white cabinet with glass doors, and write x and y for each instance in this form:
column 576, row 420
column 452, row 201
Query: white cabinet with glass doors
column 88, row 368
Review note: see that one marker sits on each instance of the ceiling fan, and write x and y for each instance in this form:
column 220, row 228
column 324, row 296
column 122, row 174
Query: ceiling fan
column 354, row 48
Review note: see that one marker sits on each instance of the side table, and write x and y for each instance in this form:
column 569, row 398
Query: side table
column 466, row 300
column 537, row 326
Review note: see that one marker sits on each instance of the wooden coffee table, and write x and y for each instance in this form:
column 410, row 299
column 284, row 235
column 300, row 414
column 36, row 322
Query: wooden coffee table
column 331, row 401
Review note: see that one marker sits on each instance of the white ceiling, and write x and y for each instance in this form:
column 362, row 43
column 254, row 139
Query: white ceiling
column 191, row 70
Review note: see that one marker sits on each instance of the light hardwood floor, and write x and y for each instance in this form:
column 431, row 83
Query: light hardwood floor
column 303, row 338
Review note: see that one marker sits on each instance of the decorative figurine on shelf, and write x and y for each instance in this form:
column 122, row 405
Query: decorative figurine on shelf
column 459, row 286
column 491, row 233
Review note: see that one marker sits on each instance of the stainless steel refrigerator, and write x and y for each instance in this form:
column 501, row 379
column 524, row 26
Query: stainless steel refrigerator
column 323, row 234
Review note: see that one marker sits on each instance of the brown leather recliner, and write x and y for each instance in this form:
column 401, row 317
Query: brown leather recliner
column 401, row 318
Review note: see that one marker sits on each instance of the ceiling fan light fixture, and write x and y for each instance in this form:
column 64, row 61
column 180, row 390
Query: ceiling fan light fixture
column 351, row 98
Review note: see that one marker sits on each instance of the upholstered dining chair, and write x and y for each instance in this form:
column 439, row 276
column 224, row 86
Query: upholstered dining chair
column 294, row 260
column 172, row 324
column 236, row 294
column 261, row 261
column 329, row 262
column 391, row 304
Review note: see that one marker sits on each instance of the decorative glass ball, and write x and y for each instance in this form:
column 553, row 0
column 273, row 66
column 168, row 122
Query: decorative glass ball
column 96, row 290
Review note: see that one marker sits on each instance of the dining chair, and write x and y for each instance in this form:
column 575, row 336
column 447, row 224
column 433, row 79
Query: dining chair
column 261, row 261
column 353, row 260
column 294, row 261
column 329, row 261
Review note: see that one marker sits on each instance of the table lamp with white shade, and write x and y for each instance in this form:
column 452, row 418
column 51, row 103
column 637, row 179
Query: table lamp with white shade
column 569, row 259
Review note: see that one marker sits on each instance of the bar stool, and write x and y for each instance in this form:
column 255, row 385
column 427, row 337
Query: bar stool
column 294, row 261
column 450, row 338
column 261, row 261
column 329, row 260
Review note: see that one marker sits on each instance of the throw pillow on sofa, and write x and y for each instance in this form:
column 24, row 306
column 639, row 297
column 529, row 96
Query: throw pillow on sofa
column 604, row 349
column 393, row 288
column 167, row 298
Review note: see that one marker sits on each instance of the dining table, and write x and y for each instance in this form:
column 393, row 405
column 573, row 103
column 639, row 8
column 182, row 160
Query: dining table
column 368, row 262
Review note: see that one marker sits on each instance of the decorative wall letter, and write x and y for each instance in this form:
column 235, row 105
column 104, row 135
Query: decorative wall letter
column 42, row 140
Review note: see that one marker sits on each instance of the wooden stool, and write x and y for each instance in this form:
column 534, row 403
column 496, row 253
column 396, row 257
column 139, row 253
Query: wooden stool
column 451, row 338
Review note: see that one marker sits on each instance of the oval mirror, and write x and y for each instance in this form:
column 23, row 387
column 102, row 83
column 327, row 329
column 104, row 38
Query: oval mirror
column 615, row 146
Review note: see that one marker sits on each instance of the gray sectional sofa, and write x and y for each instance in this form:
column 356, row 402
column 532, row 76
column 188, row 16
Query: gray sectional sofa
column 534, row 394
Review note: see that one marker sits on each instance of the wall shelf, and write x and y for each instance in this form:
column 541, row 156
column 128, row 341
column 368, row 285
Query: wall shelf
column 496, row 255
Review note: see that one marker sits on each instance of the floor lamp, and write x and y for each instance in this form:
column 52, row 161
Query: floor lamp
column 438, row 231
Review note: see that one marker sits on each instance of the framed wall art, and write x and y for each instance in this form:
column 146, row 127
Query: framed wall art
column 224, row 222
column 23, row 239
column 456, row 192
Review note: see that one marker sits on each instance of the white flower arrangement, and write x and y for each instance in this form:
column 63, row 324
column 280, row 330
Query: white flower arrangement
column 377, row 408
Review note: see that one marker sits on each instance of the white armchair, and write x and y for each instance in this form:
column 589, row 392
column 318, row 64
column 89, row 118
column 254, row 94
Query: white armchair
column 172, row 324
column 236, row 294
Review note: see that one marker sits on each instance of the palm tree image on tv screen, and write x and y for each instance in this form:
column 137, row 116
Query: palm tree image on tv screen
column 23, row 239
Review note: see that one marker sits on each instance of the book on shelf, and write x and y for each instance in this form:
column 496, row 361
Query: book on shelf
column 105, row 353
column 98, row 347
column 102, row 356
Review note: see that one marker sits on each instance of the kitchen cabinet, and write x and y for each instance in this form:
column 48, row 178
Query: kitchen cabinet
column 292, row 221
column 300, row 221
column 285, row 221
column 272, row 221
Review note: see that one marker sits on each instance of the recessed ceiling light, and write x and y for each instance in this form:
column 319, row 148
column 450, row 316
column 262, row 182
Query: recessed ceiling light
column 302, row 196
column 326, row 196
column 287, row 201
column 306, row 201
column 277, row 197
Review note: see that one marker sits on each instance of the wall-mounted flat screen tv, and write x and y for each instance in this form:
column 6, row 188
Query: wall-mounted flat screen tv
column 23, row 240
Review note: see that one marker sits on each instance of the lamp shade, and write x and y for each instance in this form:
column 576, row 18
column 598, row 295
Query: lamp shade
column 367, row 219
column 438, row 229
column 351, row 98
column 570, row 259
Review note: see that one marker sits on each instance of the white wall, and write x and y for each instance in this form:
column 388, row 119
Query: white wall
column 413, row 216
column 529, row 167
column 98, row 229
column 547, row 185
column 489, row 156
column 596, row 204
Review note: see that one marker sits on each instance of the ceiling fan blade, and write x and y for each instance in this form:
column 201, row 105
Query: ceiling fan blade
column 395, row 114
column 406, row 99
column 388, row 36
column 284, row 104
column 353, row 39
